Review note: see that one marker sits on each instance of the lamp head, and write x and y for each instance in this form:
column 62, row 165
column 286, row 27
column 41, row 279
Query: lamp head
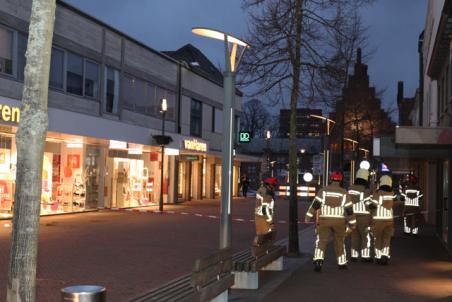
column 163, row 105
column 218, row 35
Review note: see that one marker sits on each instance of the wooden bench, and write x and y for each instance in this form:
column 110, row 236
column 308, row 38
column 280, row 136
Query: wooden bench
column 209, row 281
column 263, row 255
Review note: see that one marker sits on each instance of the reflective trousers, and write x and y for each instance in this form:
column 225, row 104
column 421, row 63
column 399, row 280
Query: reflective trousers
column 262, row 225
column 327, row 226
column 382, row 230
column 412, row 219
column 361, row 239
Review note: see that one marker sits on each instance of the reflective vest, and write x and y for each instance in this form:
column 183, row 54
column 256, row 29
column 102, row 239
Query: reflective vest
column 382, row 203
column 264, row 203
column 412, row 195
column 332, row 202
column 359, row 195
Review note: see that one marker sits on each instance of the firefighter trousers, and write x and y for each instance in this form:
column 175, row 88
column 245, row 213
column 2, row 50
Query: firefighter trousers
column 412, row 218
column 361, row 240
column 382, row 230
column 262, row 225
column 327, row 226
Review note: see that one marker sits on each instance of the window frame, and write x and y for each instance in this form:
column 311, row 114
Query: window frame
column 14, row 42
column 86, row 60
column 192, row 133
column 63, row 89
column 66, row 71
column 104, row 94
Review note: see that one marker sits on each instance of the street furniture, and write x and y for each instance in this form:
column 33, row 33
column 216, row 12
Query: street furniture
column 84, row 293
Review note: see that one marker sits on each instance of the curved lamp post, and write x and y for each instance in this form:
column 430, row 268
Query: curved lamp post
column 326, row 151
column 231, row 65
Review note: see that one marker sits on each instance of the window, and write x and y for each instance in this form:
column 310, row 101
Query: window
column 217, row 123
column 56, row 79
column 196, row 118
column 6, row 51
column 111, row 94
column 21, row 60
column 74, row 74
column 91, row 79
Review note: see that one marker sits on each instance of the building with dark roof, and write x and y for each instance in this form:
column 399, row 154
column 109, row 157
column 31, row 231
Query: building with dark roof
column 306, row 125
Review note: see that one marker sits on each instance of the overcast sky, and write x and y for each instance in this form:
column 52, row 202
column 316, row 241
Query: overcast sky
column 394, row 27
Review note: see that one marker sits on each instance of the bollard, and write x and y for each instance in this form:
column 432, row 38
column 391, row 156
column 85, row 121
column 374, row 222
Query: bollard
column 84, row 293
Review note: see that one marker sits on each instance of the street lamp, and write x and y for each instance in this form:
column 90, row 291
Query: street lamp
column 163, row 109
column 268, row 137
column 231, row 65
column 326, row 151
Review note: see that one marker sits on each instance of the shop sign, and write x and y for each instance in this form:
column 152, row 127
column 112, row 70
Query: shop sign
column 9, row 114
column 195, row 145
column 189, row 157
column 244, row 137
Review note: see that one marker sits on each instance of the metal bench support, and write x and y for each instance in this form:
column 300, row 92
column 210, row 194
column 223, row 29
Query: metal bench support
column 246, row 280
column 277, row 265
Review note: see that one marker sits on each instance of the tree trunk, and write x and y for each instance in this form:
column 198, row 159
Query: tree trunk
column 293, row 175
column 30, row 140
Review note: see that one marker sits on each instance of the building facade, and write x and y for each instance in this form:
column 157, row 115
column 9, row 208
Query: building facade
column 104, row 99
column 306, row 125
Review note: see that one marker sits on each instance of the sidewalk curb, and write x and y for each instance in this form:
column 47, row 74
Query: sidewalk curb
column 274, row 279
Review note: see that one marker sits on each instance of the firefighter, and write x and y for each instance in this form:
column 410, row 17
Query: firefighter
column 358, row 194
column 264, row 206
column 412, row 216
column 381, row 204
column 332, row 203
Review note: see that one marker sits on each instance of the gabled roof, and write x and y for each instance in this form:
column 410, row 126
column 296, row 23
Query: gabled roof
column 197, row 62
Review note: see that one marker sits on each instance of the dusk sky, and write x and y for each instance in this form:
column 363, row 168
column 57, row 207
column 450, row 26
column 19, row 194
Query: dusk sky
column 394, row 28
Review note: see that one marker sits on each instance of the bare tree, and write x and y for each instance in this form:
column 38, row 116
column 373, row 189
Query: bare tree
column 255, row 118
column 290, row 50
column 30, row 141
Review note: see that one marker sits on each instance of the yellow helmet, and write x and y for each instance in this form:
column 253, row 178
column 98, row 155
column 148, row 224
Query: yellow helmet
column 386, row 180
column 363, row 174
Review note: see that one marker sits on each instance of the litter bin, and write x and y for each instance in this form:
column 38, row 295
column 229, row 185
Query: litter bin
column 84, row 293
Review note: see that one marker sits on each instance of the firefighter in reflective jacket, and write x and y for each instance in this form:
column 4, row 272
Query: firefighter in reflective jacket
column 264, row 206
column 332, row 203
column 381, row 204
column 358, row 194
column 412, row 216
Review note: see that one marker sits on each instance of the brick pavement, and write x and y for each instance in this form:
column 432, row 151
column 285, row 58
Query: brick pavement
column 420, row 270
column 131, row 252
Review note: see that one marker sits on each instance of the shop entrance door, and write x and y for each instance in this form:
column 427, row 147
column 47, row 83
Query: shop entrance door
column 184, row 181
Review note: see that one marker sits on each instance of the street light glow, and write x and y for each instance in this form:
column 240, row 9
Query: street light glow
column 216, row 34
column 302, row 151
column 364, row 165
column 268, row 135
column 307, row 177
column 163, row 105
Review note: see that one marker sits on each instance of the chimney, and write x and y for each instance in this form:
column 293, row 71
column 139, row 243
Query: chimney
column 399, row 91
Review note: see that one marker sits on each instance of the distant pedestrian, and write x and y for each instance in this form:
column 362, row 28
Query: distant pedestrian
column 412, row 216
column 244, row 182
column 332, row 203
column 381, row 205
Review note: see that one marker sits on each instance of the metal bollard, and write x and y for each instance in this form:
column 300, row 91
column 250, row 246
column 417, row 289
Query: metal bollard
column 84, row 293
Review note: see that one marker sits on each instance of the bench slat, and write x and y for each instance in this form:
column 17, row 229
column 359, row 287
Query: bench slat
column 214, row 289
column 212, row 259
column 166, row 286
column 268, row 258
column 166, row 294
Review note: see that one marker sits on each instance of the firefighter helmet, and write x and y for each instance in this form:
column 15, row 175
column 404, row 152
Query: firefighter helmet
column 412, row 179
column 386, row 180
column 336, row 176
column 271, row 181
column 363, row 174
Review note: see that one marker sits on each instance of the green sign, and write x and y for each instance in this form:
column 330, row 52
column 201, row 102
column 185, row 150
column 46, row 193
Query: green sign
column 189, row 157
column 244, row 137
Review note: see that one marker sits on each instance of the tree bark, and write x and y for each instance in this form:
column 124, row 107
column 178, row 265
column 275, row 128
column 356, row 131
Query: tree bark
column 294, row 249
column 30, row 140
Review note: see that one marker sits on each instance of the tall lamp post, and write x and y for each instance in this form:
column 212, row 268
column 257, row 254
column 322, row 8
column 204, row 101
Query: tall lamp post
column 326, row 151
column 353, row 160
column 268, row 137
column 231, row 65
column 163, row 109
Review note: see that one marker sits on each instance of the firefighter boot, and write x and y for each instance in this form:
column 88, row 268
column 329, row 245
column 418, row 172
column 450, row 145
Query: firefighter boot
column 318, row 265
column 384, row 260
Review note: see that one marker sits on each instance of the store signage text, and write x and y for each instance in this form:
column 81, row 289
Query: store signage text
column 244, row 137
column 9, row 114
column 195, row 145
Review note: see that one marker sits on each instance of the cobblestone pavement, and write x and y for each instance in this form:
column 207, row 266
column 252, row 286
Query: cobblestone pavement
column 420, row 270
column 132, row 251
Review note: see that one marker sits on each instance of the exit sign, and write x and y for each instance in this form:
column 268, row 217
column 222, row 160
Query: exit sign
column 244, row 137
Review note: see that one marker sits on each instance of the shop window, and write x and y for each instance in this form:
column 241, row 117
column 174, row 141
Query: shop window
column 217, row 124
column 6, row 46
column 91, row 79
column 111, row 94
column 21, row 60
column 196, row 118
column 74, row 74
column 56, row 79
